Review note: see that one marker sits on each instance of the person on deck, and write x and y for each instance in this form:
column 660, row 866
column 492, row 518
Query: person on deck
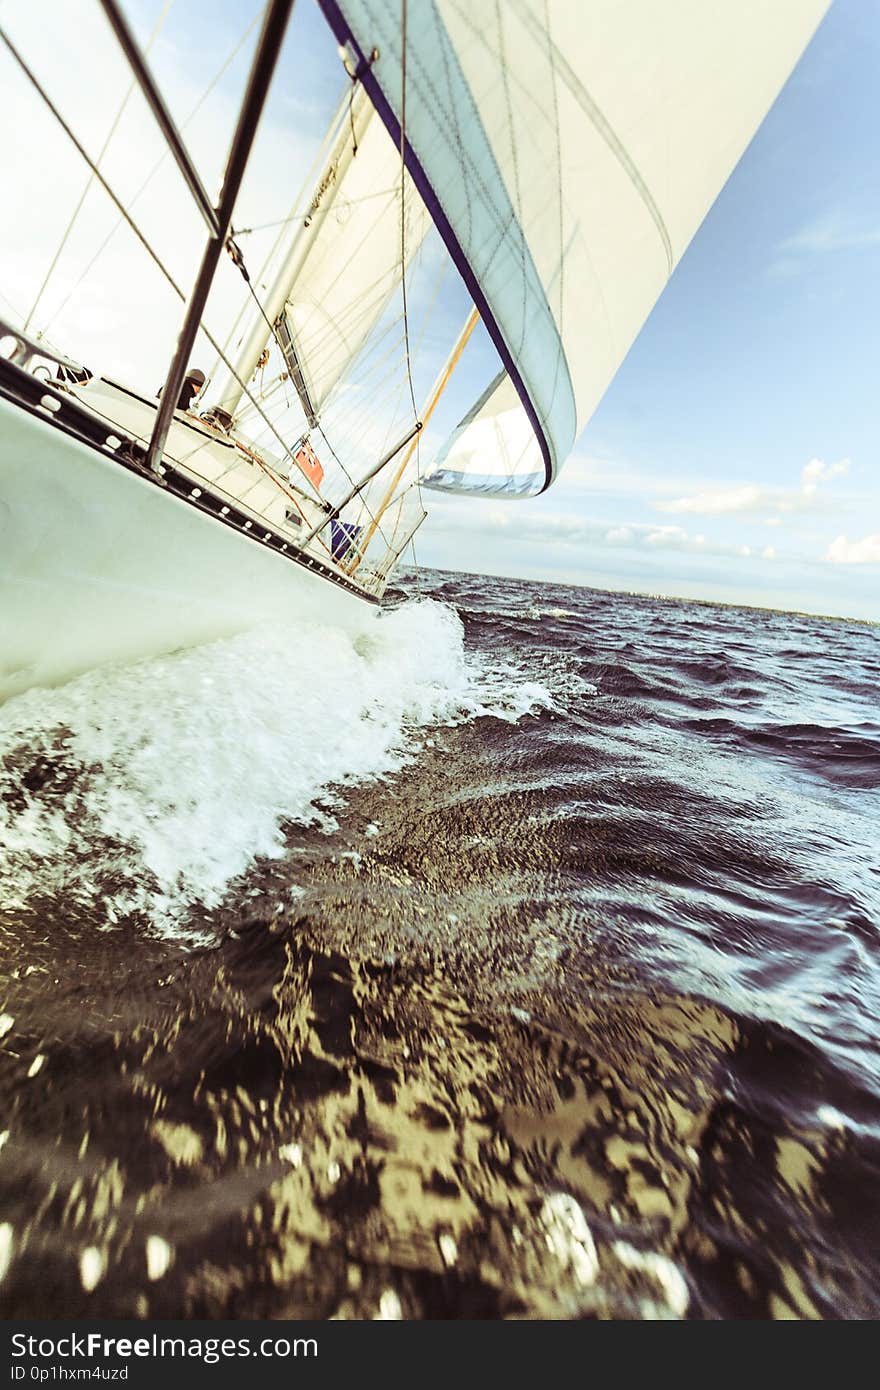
column 193, row 383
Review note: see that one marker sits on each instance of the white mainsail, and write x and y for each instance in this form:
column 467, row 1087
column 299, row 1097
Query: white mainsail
column 341, row 262
column 568, row 153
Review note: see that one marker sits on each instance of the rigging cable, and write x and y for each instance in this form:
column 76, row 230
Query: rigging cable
column 417, row 566
column 156, row 167
column 375, row 520
column 238, row 260
column 233, row 337
column 124, row 214
column 300, row 213
column 354, row 140
column 16, row 314
column 351, row 481
column 90, row 180
column 412, row 394
column 4, row 38
column 438, row 284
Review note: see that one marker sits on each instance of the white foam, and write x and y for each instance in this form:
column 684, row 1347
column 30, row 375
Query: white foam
column 536, row 613
column 569, row 1237
column 92, row 1264
column 390, row 1308
column 150, row 787
column 7, row 1247
column 665, row 1274
column 159, row 1256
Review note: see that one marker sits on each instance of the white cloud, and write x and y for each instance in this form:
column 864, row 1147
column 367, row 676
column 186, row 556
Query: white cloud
column 718, row 501
column 816, row 472
column 843, row 551
column 768, row 553
column 753, row 499
column 536, row 526
column 839, row 230
column 594, row 475
column 834, row 231
column 667, row 537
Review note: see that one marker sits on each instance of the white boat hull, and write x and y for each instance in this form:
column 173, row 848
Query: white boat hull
column 98, row 565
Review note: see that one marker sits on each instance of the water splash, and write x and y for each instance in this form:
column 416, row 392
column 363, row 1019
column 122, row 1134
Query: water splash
column 150, row 787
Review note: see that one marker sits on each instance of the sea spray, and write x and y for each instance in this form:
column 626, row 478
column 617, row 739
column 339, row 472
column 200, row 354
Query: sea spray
column 148, row 788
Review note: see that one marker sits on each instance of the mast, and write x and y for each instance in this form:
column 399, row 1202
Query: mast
column 436, row 392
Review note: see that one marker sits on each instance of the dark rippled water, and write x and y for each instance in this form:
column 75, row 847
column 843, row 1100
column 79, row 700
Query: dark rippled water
column 573, row 1014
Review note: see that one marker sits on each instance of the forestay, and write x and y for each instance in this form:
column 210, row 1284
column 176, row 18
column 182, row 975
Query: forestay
column 567, row 152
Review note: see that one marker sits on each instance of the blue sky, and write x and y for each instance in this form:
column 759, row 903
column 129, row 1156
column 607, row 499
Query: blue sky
column 736, row 456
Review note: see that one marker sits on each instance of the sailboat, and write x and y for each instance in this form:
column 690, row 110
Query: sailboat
column 564, row 151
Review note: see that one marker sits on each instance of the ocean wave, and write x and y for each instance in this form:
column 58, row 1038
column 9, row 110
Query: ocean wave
column 847, row 756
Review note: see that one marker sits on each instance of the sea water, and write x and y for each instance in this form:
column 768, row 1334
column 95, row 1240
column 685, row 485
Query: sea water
column 518, row 959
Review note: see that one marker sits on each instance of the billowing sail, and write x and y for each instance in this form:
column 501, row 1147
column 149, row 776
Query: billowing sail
column 567, row 152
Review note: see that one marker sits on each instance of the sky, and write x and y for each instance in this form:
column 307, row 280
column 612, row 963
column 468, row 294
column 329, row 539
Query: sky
column 736, row 455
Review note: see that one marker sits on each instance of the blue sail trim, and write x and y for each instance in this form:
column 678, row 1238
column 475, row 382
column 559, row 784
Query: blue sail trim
column 552, row 456
column 487, row 484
